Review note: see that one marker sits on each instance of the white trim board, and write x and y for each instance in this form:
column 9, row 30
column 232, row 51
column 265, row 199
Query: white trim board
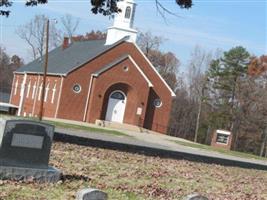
column 151, row 65
column 96, row 74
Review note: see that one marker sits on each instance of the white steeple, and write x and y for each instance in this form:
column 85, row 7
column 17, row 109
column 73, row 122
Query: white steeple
column 123, row 23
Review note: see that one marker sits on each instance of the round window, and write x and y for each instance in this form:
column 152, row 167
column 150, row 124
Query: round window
column 77, row 88
column 125, row 68
column 157, row 103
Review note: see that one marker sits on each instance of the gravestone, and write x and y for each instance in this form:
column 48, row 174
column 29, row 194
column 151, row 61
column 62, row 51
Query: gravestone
column 91, row 194
column 25, row 149
column 195, row 197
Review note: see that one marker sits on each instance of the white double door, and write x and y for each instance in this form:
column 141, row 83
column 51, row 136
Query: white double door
column 116, row 107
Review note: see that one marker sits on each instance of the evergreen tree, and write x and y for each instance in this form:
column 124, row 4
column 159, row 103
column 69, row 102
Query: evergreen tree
column 224, row 76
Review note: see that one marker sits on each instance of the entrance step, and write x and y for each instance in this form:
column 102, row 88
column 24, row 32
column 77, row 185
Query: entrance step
column 121, row 126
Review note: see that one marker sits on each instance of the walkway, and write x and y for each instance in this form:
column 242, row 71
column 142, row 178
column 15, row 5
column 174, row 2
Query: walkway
column 149, row 143
column 156, row 145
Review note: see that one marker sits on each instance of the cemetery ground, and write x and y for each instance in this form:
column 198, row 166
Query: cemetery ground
column 89, row 129
column 131, row 176
column 126, row 134
column 221, row 150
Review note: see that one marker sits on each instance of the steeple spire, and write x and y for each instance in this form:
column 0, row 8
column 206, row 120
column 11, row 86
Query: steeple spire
column 123, row 23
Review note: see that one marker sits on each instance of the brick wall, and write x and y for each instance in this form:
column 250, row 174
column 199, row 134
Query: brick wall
column 76, row 103
column 72, row 105
column 32, row 97
column 214, row 142
column 131, row 82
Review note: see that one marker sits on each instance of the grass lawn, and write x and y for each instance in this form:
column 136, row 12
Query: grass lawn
column 71, row 126
column 86, row 128
column 219, row 150
column 135, row 177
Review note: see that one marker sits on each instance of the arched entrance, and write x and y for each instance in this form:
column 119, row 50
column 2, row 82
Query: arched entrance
column 116, row 106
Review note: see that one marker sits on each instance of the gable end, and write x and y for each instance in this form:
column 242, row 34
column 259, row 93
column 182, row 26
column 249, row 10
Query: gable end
column 154, row 69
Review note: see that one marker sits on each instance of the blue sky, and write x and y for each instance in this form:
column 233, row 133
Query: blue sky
column 210, row 24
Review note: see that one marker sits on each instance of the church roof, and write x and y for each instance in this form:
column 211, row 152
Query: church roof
column 62, row 61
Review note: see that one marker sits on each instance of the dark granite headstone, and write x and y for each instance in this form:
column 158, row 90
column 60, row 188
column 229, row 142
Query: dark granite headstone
column 24, row 148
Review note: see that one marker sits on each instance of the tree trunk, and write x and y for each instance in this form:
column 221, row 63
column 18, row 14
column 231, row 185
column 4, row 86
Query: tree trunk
column 200, row 107
column 234, row 131
column 207, row 139
column 263, row 144
column 198, row 118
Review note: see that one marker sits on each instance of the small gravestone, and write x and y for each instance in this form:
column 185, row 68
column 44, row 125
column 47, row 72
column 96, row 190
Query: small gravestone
column 25, row 149
column 195, row 197
column 91, row 194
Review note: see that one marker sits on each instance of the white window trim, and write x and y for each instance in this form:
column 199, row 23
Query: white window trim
column 40, row 91
column 128, row 13
column 46, row 92
column 53, row 93
column 135, row 65
column 22, row 87
column 33, row 90
column 28, row 89
column 157, row 106
column 35, row 95
column 80, row 88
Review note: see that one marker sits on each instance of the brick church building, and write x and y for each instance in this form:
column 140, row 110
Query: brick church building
column 109, row 80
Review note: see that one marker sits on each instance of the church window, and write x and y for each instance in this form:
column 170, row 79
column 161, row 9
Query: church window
column 22, row 86
column 34, row 90
column 77, row 88
column 46, row 92
column 117, row 95
column 128, row 12
column 125, row 68
column 28, row 89
column 157, row 103
column 40, row 91
column 53, row 93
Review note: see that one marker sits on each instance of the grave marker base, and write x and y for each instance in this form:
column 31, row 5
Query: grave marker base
column 50, row 175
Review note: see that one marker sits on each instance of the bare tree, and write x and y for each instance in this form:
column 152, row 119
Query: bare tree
column 33, row 33
column 70, row 25
column 93, row 35
column 252, row 95
column 197, row 80
column 167, row 64
column 183, row 116
column 148, row 43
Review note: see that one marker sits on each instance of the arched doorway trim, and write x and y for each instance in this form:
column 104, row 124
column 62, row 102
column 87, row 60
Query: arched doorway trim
column 116, row 106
